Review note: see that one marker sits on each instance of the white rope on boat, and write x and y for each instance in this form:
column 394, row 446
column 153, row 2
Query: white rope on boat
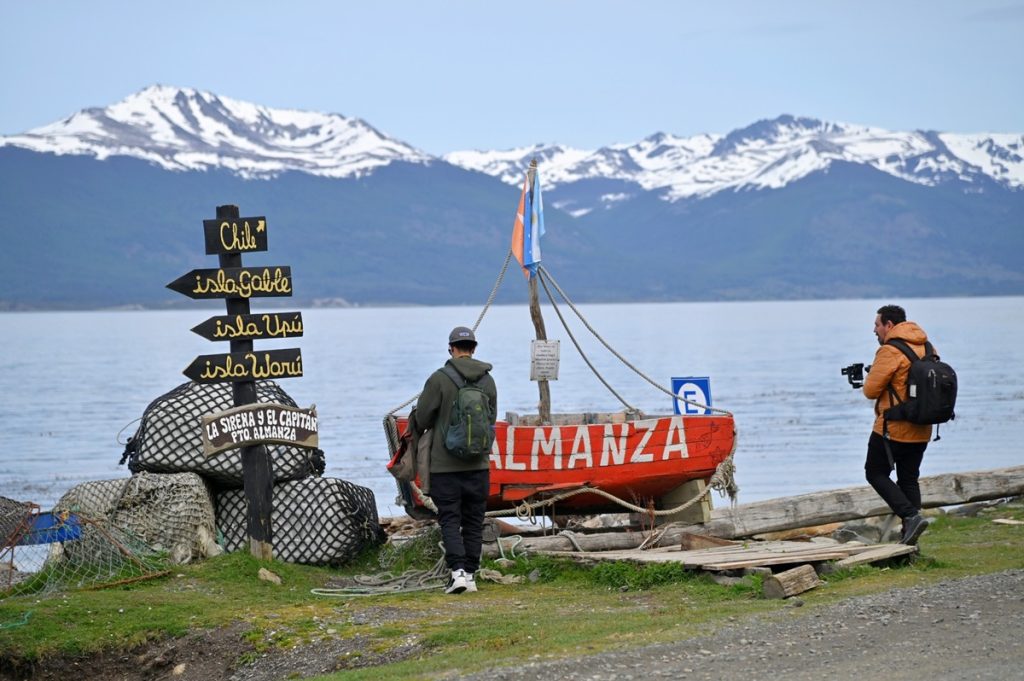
column 722, row 480
column 554, row 305
column 541, row 268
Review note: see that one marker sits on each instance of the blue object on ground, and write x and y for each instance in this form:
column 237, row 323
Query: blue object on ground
column 48, row 528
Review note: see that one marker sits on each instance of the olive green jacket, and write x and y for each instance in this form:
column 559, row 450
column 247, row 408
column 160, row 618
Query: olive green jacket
column 434, row 407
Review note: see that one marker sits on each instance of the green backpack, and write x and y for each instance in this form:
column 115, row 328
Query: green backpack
column 470, row 433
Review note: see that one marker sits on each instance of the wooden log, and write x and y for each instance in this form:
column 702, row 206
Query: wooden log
column 791, row 582
column 860, row 502
column 775, row 515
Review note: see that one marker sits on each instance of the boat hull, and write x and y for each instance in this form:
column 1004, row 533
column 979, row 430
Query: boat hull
column 637, row 461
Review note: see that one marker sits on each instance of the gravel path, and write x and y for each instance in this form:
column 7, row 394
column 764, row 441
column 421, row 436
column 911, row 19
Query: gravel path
column 956, row 630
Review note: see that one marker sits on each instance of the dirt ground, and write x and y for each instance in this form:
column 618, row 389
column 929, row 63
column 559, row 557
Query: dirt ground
column 954, row 630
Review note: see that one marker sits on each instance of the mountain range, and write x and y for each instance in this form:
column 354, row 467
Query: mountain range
column 104, row 207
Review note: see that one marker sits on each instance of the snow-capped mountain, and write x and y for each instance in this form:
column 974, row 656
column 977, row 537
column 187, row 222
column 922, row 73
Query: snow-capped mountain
column 766, row 155
column 186, row 129
column 783, row 208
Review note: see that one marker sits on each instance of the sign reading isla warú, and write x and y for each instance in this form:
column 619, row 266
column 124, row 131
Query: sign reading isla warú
column 246, row 366
column 258, row 423
column 237, row 235
column 235, row 282
column 251, row 326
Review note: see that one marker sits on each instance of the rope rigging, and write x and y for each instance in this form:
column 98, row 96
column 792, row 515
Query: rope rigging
column 722, row 480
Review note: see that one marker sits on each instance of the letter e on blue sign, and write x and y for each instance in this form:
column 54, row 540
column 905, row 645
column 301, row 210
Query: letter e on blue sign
column 692, row 388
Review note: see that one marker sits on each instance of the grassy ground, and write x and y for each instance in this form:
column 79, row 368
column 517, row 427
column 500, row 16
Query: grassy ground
column 566, row 610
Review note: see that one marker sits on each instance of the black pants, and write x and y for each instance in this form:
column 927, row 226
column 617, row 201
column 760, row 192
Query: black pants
column 904, row 495
column 461, row 500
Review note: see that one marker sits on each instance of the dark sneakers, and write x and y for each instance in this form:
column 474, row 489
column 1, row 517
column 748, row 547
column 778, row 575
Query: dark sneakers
column 913, row 527
column 457, row 583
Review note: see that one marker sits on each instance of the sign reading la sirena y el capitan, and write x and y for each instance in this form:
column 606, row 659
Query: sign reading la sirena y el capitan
column 260, row 423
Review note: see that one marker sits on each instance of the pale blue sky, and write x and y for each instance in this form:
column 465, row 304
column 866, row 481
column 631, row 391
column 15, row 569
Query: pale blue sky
column 445, row 76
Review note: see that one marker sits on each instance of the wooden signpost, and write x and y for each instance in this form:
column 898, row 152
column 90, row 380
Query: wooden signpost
column 250, row 424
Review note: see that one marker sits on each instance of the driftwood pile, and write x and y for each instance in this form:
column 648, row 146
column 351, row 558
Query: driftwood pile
column 709, row 546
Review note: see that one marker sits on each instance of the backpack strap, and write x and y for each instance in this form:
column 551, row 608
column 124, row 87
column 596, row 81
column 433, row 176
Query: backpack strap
column 452, row 373
column 903, row 347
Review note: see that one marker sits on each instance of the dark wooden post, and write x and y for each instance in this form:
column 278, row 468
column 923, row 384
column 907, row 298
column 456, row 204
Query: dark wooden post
column 257, row 470
column 544, row 405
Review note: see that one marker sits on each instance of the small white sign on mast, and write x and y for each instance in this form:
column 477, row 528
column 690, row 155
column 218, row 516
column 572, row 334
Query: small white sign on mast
column 544, row 360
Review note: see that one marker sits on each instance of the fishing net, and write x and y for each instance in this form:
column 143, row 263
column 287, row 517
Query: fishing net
column 170, row 439
column 45, row 552
column 172, row 513
column 315, row 521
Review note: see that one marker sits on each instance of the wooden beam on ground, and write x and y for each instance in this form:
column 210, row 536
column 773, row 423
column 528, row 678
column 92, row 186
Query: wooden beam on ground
column 744, row 555
column 875, row 554
column 860, row 502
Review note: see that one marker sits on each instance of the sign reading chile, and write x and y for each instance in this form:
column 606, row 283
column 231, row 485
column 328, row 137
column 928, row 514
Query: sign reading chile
column 235, row 235
column 692, row 388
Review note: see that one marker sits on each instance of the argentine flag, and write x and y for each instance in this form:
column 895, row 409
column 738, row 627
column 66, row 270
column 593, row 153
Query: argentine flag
column 529, row 226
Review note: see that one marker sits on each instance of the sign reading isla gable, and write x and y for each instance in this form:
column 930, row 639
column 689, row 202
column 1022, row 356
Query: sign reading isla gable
column 257, row 423
column 235, row 282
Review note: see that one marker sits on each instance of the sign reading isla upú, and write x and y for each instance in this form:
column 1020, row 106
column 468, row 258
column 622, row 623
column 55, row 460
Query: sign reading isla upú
column 237, row 235
column 235, row 282
column 246, row 366
column 251, row 326
column 258, row 423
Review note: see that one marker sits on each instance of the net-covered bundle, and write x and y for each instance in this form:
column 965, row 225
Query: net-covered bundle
column 172, row 513
column 315, row 521
column 57, row 551
column 170, row 437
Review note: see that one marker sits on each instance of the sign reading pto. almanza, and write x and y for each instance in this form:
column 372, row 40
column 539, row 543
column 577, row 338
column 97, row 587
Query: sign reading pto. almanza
column 257, row 423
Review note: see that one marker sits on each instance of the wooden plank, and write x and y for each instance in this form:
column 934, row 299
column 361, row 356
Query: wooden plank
column 875, row 554
column 691, row 541
column 790, row 582
column 777, row 560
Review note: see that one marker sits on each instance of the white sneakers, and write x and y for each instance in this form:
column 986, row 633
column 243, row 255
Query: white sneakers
column 457, row 583
column 460, row 581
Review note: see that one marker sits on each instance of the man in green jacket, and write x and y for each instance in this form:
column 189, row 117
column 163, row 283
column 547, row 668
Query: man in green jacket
column 458, row 486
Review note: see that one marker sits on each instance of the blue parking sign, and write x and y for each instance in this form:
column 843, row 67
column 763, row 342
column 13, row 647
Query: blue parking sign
column 692, row 388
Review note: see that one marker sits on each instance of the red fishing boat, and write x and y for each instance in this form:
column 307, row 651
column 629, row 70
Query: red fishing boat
column 641, row 460
column 590, row 462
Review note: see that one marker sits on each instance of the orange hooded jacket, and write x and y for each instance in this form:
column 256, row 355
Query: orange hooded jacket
column 891, row 366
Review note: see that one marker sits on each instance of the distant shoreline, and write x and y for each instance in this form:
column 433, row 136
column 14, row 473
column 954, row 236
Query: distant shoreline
column 342, row 304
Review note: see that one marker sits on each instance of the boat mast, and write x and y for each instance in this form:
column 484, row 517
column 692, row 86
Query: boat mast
column 544, row 406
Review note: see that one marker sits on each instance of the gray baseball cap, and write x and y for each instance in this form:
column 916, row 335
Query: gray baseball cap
column 461, row 334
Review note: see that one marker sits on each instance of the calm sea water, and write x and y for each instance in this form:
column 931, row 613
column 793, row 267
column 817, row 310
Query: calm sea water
column 73, row 384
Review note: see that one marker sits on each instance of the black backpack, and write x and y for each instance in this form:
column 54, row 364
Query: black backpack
column 470, row 433
column 931, row 388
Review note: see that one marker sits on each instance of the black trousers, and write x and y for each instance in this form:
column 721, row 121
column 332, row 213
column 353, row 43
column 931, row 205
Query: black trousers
column 904, row 495
column 461, row 500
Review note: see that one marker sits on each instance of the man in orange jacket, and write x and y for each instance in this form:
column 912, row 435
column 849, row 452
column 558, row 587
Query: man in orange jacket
column 896, row 444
